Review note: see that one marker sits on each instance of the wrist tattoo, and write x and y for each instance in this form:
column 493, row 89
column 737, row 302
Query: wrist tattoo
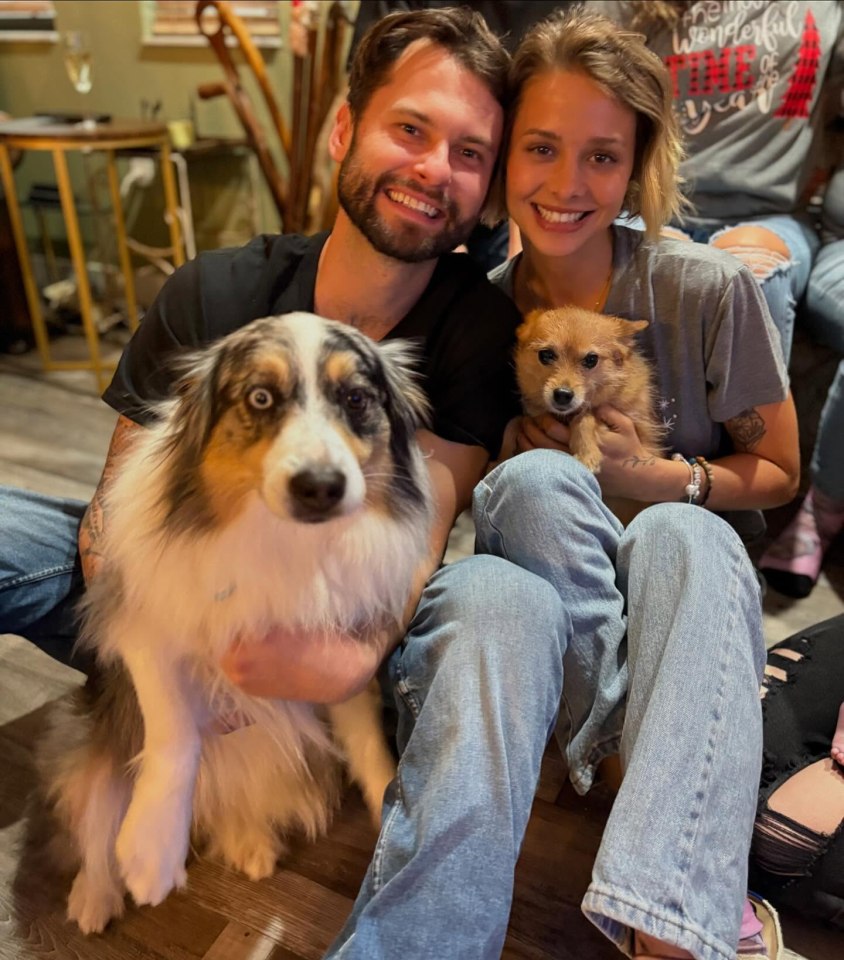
column 634, row 462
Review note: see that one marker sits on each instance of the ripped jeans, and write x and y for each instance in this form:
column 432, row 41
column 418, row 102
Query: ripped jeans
column 783, row 281
column 791, row 864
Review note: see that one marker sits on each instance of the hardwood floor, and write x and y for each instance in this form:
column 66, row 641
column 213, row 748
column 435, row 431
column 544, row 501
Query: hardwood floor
column 54, row 433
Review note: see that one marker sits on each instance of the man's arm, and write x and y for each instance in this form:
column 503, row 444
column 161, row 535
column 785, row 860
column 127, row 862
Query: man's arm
column 92, row 528
column 330, row 668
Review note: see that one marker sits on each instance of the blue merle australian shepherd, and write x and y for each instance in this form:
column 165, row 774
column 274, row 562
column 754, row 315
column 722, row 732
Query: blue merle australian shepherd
column 282, row 487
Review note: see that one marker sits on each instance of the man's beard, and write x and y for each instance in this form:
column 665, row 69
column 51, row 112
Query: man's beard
column 405, row 241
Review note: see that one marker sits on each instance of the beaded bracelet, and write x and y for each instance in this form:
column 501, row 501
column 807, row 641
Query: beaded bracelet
column 692, row 489
column 707, row 469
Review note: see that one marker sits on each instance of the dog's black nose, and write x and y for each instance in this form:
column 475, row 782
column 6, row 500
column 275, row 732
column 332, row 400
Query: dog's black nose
column 318, row 489
column 563, row 397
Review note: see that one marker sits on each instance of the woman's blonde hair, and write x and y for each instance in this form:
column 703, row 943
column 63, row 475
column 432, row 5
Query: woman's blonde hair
column 618, row 61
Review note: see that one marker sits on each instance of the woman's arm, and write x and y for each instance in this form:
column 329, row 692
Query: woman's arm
column 763, row 472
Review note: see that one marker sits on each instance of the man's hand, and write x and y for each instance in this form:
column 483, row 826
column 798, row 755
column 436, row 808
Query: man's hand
column 314, row 666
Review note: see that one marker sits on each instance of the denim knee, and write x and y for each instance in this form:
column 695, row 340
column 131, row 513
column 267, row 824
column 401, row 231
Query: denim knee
column 538, row 471
column 683, row 551
column 672, row 533
column 483, row 621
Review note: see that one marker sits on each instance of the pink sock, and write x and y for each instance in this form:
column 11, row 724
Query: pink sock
column 792, row 563
column 750, row 935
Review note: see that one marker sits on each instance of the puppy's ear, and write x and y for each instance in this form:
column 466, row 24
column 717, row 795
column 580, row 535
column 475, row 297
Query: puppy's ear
column 627, row 329
column 525, row 329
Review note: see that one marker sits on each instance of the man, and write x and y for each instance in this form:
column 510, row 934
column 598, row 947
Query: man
column 417, row 142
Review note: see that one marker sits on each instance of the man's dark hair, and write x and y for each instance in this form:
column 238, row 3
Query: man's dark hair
column 462, row 32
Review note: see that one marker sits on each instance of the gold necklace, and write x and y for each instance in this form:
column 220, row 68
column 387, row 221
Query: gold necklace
column 605, row 292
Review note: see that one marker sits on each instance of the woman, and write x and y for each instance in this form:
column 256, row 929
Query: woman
column 662, row 610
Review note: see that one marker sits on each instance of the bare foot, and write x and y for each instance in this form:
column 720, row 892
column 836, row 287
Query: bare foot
column 837, row 749
column 649, row 948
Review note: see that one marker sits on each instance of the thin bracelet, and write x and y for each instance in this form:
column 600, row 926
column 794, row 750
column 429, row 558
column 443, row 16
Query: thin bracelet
column 692, row 488
column 707, row 469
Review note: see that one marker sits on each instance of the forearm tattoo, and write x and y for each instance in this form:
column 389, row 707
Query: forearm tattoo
column 746, row 430
column 92, row 529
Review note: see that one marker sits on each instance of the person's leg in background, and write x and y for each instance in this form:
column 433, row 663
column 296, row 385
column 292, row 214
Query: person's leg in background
column 779, row 251
column 477, row 686
column 797, row 856
column 40, row 575
column 792, row 563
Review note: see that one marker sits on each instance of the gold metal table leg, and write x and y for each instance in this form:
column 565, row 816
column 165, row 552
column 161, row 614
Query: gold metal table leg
column 172, row 206
column 122, row 246
column 77, row 254
column 33, row 297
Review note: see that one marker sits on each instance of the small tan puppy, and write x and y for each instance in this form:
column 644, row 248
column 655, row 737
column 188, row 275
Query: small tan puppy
column 570, row 361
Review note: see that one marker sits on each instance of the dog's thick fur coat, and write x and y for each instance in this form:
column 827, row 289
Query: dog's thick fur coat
column 282, row 487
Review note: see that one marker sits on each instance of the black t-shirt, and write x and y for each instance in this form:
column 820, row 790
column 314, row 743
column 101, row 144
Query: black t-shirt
column 463, row 326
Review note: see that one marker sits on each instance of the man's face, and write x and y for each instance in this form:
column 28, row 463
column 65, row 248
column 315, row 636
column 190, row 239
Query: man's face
column 416, row 166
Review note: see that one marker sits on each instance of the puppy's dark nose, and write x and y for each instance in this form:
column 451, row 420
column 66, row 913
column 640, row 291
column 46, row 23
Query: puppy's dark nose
column 563, row 397
column 318, row 489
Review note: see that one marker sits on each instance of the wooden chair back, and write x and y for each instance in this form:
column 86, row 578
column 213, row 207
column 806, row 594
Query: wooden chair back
column 303, row 201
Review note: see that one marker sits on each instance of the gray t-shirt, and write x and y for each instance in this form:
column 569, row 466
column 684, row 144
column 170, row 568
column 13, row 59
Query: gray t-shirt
column 747, row 86
column 711, row 339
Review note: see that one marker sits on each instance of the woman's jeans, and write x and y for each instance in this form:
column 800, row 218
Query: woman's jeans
column 659, row 630
column 666, row 613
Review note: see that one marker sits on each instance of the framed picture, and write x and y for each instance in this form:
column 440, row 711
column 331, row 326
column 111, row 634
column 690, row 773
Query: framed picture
column 28, row 21
column 172, row 23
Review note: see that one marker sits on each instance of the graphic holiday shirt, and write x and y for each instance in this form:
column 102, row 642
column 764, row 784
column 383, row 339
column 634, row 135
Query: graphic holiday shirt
column 747, row 77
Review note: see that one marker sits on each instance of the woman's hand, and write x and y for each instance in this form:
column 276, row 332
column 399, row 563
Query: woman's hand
column 319, row 667
column 627, row 467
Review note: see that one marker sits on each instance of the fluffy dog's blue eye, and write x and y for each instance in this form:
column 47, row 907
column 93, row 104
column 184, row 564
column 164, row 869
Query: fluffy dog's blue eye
column 356, row 399
column 547, row 356
column 590, row 360
column 259, row 398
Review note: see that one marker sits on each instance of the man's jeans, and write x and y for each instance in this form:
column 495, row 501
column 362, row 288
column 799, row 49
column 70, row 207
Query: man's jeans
column 478, row 682
column 40, row 574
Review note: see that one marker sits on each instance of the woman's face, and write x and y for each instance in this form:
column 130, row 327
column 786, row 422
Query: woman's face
column 570, row 161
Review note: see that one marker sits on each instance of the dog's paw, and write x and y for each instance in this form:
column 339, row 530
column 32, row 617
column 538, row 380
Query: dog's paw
column 92, row 905
column 151, row 850
column 255, row 856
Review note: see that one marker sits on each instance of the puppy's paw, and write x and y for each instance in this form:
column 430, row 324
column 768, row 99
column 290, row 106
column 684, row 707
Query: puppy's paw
column 591, row 459
column 151, row 849
column 93, row 904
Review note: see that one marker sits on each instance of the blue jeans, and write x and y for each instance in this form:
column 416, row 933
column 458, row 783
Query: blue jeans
column 658, row 631
column 40, row 574
column 824, row 318
column 658, row 628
